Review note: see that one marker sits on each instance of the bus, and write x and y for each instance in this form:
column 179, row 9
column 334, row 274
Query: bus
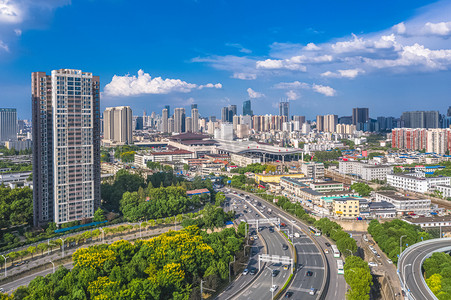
column 335, row 251
column 314, row 231
column 340, row 267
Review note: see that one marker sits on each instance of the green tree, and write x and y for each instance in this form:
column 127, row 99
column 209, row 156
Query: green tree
column 99, row 215
column 363, row 189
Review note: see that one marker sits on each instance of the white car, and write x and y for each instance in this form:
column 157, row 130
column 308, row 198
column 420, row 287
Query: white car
column 372, row 264
column 255, row 237
column 293, row 221
column 245, row 271
column 389, row 261
column 273, row 288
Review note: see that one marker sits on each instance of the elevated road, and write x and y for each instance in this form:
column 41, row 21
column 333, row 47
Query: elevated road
column 409, row 267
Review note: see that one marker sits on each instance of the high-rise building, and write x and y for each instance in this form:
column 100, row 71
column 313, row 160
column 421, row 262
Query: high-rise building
column 164, row 120
column 194, row 105
column 224, row 114
column 232, row 112
column 66, row 145
column 8, row 124
column 284, row 109
column 169, row 110
column 300, row 119
column 195, row 119
column 212, row 118
column 320, row 123
column 448, row 113
column 330, row 122
column 360, row 115
column 188, row 124
column 179, row 120
column 345, row 120
column 247, row 110
column 171, row 125
column 421, row 119
column 117, row 125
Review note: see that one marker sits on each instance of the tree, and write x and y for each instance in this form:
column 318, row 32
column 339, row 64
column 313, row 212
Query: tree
column 363, row 189
column 186, row 167
column 220, row 199
column 31, row 250
column 99, row 215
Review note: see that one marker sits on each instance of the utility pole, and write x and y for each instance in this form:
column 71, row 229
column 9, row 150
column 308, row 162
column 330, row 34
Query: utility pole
column 5, row 257
column 53, row 266
column 202, row 289
column 62, row 244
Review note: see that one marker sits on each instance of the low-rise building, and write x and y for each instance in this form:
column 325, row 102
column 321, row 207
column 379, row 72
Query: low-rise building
column 275, row 178
column 405, row 204
column 444, row 189
column 142, row 158
column 382, row 210
column 243, row 160
column 363, row 170
column 314, row 170
column 327, row 186
column 346, row 208
column 430, row 222
column 6, row 178
column 415, row 183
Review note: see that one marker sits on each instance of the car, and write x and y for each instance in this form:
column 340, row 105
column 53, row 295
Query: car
column 245, row 211
column 293, row 221
column 326, row 251
column 255, row 237
column 273, row 288
column 378, row 255
column 389, row 261
column 312, row 291
column 271, row 229
column 284, row 247
column 245, row 271
column 253, row 271
column 285, row 267
column 288, row 294
column 2, row 290
column 257, row 215
column 327, row 244
column 275, row 273
column 309, row 273
column 372, row 264
column 250, row 211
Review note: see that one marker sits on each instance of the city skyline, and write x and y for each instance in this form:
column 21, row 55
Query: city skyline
column 316, row 60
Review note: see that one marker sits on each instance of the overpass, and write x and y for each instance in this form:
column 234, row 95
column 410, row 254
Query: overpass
column 265, row 151
column 410, row 264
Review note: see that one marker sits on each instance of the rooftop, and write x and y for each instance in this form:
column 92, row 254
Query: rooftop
column 397, row 196
column 435, row 219
column 188, row 136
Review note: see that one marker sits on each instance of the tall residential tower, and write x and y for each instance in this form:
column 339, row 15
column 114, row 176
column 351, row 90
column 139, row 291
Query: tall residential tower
column 66, row 148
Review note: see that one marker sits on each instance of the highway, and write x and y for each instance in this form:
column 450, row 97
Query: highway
column 309, row 259
column 409, row 267
column 246, row 286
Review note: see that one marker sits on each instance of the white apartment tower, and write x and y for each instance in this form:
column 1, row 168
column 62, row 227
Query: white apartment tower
column 117, row 125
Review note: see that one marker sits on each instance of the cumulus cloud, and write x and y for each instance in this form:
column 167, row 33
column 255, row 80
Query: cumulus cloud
column 274, row 64
column 311, row 47
column 10, row 12
column 323, row 89
column 349, row 73
column 399, row 28
column 18, row 32
column 253, row 94
column 244, row 76
column 366, row 45
column 440, row 29
column 144, row 84
column 292, row 95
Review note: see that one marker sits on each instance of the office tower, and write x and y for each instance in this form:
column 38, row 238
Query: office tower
column 194, row 105
column 117, row 123
column 169, row 110
column 195, row 119
column 330, row 122
column 139, row 123
column 360, row 115
column 247, row 110
column 345, row 120
column 164, row 120
column 420, row 119
column 213, row 118
column 224, row 114
column 320, row 123
column 189, row 124
column 170, row 125
column 232, row 112
column 66, row 146
column 179, row 120
column 8, row 124
column 284, row 109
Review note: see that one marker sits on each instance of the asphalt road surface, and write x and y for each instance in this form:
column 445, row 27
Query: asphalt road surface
column 409, row 266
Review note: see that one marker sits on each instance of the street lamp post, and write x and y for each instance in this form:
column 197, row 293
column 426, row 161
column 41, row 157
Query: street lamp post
column 272, row 282
column 400, row 244
column 53, row 266
column 62, row 244
column 5, row 257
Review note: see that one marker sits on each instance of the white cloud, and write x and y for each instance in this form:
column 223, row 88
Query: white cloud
column 239, row 47
column 244, row 76
column 144, row 84
column 325, row 90
column 399, row 28
column 291, row 85
column 349, row 73
column 3, row 46
column 292, row 95
column 311, row 47
column 10, row 12
column 440, row 29
column 366, row 45
column 18, row 32
column 274, row 64
column 253, row 94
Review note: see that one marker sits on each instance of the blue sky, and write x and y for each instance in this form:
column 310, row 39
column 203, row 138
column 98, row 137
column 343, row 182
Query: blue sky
column 325, row 56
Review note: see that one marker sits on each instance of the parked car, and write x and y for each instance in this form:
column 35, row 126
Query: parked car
column 253, row 271
column 372, row 264
column 389, row 261
column 245, row 271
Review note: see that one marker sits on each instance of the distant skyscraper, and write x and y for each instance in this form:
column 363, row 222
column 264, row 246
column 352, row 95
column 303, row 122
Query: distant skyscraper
column 300, row 119
column 169, row 109
column 232, row 112
column 330, row 123
column 225, row 114
column 195, row 120
column 360, row 115
column 448, row 113
column 66, row 146
column 179, row 120
column 170, row 125
column 421, row 119
column 284, row 109
column 139, row 125
column 320, row 123
column 345, row 120
column 212, row 118
column 117, row 125
column 8, row 124
column 188, row 124
column 164, row 120
column 194, row 105
column 247, row 110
